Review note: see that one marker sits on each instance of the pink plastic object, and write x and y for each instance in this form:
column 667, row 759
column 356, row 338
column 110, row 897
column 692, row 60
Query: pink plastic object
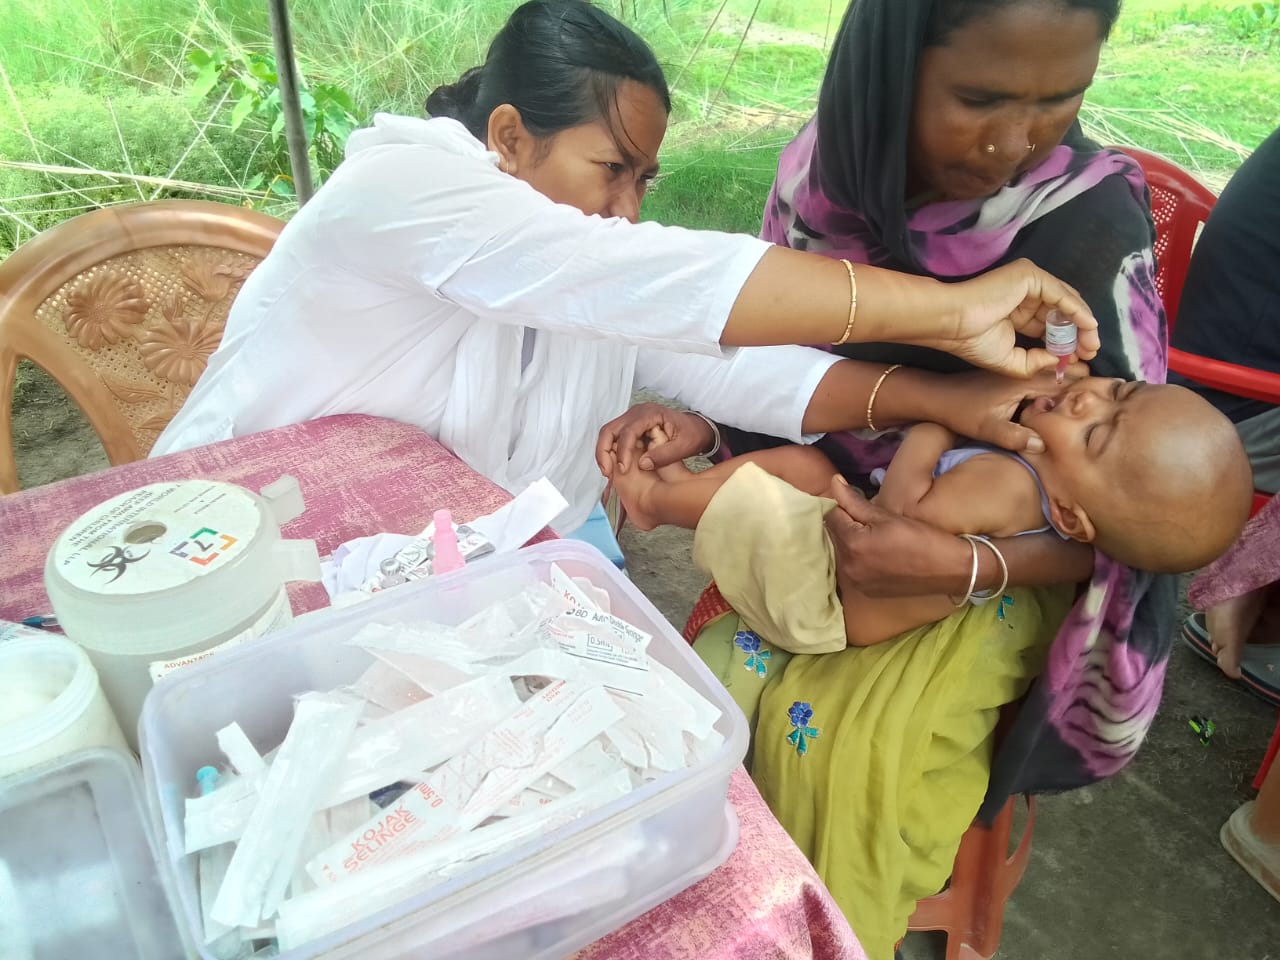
column 445, row 540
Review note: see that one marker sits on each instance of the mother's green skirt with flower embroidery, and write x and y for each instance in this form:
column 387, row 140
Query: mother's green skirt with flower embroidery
column 875, row 759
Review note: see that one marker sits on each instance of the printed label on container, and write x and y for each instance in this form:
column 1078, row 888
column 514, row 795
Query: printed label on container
column 157, row 537
column 276, row 616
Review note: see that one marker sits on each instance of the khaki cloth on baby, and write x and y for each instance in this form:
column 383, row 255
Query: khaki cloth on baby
column 764, row 542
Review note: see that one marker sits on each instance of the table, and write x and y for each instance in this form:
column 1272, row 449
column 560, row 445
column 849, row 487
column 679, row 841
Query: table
column 362, row 475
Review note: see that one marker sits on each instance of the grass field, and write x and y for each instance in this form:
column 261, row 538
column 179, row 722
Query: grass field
column 107, row 87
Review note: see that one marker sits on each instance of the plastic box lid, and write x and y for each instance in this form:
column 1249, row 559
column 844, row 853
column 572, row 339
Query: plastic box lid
column 78, row 877
column 517, row 904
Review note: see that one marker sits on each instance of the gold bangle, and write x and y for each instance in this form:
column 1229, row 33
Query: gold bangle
column 853, row 306
column 871, row 402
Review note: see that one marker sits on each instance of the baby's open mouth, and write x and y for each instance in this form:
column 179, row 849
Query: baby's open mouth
column 1041, row 404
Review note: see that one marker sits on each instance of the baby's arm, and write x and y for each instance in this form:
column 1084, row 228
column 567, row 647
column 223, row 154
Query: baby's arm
column 674, row 496
column 991, row 494
column 909, row 476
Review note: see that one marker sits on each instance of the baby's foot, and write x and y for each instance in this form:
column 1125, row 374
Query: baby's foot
column 672, row 471
column 635, row 488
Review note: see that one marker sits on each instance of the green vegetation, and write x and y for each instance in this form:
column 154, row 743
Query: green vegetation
column 103, row 101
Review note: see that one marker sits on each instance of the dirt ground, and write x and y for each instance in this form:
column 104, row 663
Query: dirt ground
column 52, row 439
column 1129, row 868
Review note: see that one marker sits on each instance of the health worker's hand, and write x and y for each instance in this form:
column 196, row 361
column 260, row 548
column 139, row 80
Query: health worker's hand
column 626, row 437
column 989, row 310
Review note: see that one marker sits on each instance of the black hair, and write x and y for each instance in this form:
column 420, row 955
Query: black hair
column 950, row 15
column 559, row 62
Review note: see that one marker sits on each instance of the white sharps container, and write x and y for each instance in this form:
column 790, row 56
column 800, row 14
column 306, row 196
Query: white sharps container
column 168, row 574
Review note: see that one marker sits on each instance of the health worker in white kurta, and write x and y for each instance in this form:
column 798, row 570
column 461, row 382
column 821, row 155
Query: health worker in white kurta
column 482, row 275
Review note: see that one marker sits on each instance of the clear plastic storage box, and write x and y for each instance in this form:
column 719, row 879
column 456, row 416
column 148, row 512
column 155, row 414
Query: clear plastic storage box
column 78, row 877
column 644, row 848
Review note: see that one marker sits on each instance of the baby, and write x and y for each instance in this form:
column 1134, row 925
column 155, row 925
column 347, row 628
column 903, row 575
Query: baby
column 1152, row 475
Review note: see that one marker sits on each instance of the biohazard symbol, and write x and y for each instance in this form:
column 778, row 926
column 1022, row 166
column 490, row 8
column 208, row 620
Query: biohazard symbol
column 116, row 561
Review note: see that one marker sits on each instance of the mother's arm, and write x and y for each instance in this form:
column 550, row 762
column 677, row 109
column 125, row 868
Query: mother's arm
column 885, row 555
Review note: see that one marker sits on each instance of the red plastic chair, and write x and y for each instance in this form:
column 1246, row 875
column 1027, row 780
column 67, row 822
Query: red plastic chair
column 970, row 911
column 1180, row 205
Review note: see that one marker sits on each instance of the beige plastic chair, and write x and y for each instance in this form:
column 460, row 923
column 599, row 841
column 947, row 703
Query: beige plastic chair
column 122, row 307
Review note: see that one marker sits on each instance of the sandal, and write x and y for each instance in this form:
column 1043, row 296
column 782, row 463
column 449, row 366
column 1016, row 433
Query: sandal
column 1261, row 860
column 1196, row 636
column 1260, row 671
column 1259, row 663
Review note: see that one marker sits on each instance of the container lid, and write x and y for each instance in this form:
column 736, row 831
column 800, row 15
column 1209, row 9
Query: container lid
column 158, row 537
column 78, row 876
column 46, row 684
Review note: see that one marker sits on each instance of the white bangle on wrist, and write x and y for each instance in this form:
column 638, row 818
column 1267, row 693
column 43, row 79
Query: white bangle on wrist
column 982, row 596
column 715, row 434
column 973, row 575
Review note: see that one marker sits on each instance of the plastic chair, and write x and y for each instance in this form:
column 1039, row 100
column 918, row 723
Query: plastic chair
column 1180, row 205
column 122, row 307
column 970, row 911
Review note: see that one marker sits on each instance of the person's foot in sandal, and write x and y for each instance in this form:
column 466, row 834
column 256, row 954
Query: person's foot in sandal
column 1260, row 859
column 1229, row 625
column 1256, row 665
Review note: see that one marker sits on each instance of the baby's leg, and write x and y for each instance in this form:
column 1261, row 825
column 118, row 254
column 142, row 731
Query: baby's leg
column 871, row 620
column 679, row 497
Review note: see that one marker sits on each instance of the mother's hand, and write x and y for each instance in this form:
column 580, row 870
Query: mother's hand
column 687, row 436
column 989, row 310
column 884, row 555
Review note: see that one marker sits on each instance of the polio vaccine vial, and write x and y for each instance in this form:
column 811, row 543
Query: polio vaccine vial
column 1060, row 339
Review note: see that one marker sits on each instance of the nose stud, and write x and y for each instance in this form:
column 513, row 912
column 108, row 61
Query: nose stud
column 1031, row 148
column 991, row 148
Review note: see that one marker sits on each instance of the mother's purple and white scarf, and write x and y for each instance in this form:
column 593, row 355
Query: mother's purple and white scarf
column 1083, row 214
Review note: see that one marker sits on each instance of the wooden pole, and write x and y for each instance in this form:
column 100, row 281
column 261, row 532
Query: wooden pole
column 287, row 77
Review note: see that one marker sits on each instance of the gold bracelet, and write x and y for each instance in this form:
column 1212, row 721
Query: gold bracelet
column 853, row 306
column 871, row 402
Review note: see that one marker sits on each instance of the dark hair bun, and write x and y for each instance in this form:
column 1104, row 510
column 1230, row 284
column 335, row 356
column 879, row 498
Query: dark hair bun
column 456, row 100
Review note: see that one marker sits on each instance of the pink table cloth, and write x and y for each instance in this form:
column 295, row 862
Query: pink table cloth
column 362, row 475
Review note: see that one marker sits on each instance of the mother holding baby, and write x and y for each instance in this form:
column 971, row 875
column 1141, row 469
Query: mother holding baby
column 945, row 143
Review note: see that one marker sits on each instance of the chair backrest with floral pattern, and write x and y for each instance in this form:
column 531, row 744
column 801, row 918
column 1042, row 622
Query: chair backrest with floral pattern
column 122, row 307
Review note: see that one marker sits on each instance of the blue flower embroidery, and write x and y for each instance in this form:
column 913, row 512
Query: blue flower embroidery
column 749, row 643
column 1005, row 601
column 800, row 714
